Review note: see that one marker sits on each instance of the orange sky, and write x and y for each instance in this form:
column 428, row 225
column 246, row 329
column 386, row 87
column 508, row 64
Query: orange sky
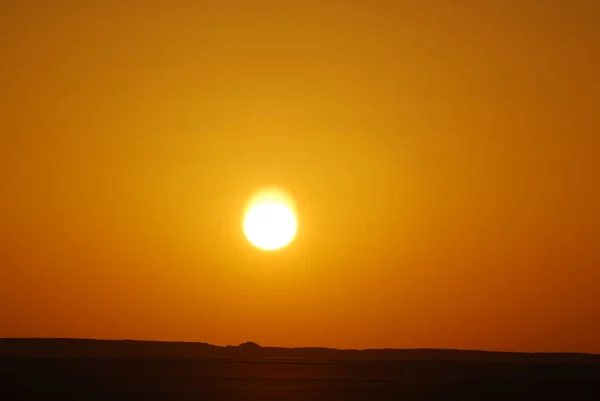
column 443, row 156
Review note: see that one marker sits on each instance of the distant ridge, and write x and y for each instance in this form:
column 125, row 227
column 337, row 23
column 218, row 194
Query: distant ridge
column 90, row 348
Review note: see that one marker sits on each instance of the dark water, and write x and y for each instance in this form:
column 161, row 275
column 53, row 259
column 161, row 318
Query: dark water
column 177, row 379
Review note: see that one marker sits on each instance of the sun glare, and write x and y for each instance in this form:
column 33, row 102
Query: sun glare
column 270, row 222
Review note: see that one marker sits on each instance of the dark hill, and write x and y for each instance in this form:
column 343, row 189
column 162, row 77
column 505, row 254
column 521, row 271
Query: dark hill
column 85, row 348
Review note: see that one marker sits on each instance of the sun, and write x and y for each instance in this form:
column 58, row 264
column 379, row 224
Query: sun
column 270, row 220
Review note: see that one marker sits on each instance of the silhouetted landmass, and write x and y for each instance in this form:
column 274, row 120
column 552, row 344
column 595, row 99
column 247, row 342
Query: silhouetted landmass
column 87, row 348
column 43, row 369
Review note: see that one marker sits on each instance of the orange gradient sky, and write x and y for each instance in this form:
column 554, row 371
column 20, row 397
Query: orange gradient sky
column 443, row 157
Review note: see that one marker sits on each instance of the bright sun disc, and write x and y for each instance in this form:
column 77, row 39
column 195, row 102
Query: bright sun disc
column 270, row 223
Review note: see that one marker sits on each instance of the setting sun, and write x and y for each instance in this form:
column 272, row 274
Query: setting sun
column 270, row 222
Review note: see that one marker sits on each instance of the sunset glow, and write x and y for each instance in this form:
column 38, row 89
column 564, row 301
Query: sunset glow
column 357, row 174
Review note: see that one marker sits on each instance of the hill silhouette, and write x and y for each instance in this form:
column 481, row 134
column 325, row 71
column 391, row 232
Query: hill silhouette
column 90, row 348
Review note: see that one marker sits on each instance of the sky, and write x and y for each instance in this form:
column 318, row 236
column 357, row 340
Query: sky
column 442, row 156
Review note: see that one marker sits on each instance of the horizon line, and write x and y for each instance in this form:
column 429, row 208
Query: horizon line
column 300, row 347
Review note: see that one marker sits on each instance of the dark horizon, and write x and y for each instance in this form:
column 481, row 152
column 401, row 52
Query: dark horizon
column 83, row 369
column 76, row 347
